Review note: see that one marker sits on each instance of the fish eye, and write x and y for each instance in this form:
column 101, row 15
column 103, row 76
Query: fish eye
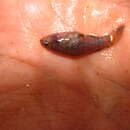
column 46, row 43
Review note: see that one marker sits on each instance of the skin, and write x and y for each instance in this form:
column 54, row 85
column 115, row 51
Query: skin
column 42, row 90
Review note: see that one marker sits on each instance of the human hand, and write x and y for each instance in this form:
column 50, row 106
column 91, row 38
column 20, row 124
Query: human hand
column 41, row 90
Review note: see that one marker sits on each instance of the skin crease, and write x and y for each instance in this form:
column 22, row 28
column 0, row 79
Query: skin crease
column 41, row 90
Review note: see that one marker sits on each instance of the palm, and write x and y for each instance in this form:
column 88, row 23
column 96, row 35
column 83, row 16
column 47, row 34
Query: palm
column 47, row 91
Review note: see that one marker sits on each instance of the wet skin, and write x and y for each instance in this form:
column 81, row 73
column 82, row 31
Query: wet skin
column 42, row 90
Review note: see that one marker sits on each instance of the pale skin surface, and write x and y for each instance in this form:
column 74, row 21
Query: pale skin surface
column 43, row 91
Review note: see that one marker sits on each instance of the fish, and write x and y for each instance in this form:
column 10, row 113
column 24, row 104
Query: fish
column 75, row 43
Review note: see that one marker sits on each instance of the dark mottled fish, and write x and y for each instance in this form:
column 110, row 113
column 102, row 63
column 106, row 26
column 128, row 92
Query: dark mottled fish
column 77, row 44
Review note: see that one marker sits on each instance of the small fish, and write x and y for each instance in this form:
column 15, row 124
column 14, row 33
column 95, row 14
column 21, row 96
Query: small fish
column 77, row 44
